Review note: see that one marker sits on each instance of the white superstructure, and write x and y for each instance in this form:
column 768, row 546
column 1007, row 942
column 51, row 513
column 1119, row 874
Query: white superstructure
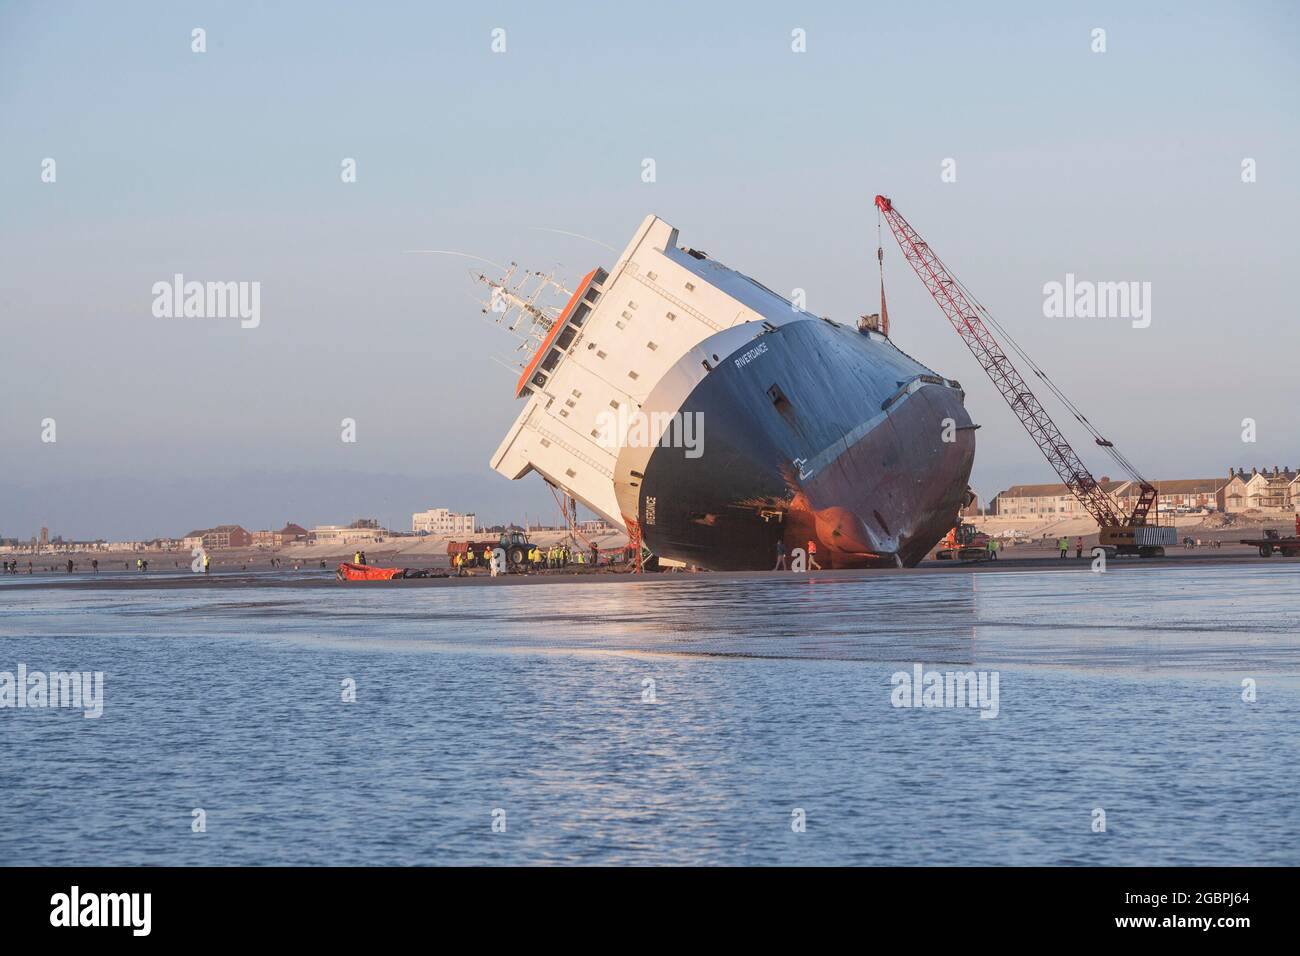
column 614, row 341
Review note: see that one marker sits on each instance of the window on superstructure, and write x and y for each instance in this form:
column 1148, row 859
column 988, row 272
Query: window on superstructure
column 565, row 338
column 601, row 276
column 633, row 375
column 651, row 346
column 552, row 359
column 580, row 315
column 690, row 287
column 592, row 295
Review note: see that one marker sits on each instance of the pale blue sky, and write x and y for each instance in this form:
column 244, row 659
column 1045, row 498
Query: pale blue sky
column 225, row 165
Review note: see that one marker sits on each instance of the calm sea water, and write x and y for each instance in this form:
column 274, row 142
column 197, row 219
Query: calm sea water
column 1120, row 691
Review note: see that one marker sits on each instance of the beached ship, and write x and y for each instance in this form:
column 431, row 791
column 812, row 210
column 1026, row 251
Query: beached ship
column 715, row 419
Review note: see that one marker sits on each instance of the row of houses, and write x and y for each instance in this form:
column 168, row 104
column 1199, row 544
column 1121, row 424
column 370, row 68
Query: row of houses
column 224, row 536
column 235, row 536
column 1260, row 490
column 361, row 531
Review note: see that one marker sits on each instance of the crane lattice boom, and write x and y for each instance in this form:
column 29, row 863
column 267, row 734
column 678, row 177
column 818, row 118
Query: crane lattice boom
column 947, row 292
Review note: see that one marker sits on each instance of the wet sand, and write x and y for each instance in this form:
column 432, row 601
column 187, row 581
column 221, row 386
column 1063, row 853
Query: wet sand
column 1036, row 560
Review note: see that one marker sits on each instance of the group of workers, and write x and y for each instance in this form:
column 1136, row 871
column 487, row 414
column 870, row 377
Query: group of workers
column 810, row 556
column 558, row 556
column 1062, row 544
column 471, row 558
column 993, row 547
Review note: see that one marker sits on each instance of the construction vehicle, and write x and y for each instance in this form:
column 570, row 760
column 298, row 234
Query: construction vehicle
column 1288, row 547
column 514, row 543
column 963, row 543
column 1119, row 533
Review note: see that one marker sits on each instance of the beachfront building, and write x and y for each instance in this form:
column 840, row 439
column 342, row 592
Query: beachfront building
column 1279, row 488
column 226, row 536
column 1190, row 493
column 1244, row 491
column 277, row 539
column 440, row 521
column 1276, row 490
column 222, row 536
column 346, row 534
column 1056, row 501
column 1050, row 501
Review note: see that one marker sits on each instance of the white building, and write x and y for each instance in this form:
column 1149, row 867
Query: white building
column 440, row 521
column 341, row 534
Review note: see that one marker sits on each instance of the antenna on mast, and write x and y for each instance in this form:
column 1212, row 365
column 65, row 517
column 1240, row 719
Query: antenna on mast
column 516, row 302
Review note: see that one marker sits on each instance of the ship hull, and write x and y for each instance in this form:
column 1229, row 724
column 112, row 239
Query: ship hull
column 810, row 434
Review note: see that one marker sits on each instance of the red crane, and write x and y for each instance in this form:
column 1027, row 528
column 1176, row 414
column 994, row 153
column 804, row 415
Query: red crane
column 964, row 312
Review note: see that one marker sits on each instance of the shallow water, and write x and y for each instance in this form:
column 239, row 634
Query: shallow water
column 1120, row 691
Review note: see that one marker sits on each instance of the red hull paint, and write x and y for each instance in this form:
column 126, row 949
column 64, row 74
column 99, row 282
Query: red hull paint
column 362, row 572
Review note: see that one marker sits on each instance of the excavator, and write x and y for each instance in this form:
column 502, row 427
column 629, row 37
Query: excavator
column 963, row 543
column 1129, row 534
